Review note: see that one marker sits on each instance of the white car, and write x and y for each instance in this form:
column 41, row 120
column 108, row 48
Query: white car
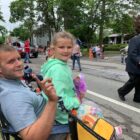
column 19, row 45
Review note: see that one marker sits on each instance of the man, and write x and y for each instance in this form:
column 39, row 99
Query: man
column 27, row 113
column 133, row 66
column 27, row 51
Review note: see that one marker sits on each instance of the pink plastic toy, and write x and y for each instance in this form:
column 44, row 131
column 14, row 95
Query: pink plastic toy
column 80, row 86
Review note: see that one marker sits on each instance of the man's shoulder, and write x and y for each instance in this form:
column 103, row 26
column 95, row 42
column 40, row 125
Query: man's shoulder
column 136, row 37
column 6, row 84
column 134, row 40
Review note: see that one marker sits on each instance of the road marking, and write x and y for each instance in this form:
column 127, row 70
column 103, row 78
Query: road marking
column 114, row 101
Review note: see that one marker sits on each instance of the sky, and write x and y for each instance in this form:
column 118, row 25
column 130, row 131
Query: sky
column 4, row 6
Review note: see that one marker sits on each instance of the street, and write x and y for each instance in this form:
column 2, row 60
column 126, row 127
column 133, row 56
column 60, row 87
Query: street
column 103, row 79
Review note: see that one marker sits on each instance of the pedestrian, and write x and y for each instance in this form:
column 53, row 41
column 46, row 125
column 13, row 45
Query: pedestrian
column 102, row 49
column 124, row 54
column 98, row 52
column 45, row 49
column 133, row 66
column 50, row 52
column 27, row 113
column 57, row 68
column 90, row 53
column 94, row 51
column 76, row 56
column 27, row 51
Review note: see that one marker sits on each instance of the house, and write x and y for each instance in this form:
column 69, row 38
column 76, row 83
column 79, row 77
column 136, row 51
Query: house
column 41, row 40
column 118, row 38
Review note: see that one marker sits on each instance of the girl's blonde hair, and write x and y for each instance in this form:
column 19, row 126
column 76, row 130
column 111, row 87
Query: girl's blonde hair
column 62, row 34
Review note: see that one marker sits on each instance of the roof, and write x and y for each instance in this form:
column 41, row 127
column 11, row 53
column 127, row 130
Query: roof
column 116, row 35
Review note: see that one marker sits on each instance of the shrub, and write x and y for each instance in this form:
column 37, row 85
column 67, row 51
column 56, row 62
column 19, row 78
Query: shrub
column 2, row 40
column 114, row 47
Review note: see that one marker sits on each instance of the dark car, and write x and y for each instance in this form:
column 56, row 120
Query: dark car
column 33, row 51
column 19, row 45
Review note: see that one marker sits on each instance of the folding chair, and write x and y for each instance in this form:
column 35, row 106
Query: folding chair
column 6, row 132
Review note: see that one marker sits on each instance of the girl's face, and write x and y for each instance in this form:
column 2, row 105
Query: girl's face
column 63, row 49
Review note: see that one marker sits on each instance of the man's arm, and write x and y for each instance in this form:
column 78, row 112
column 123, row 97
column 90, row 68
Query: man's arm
column 133, row 51
column 41, row 128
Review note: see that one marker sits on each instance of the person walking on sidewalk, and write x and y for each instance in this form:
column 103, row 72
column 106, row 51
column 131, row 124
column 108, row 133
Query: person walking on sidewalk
column 76, row 56
column 27, row 51
column 133, row 66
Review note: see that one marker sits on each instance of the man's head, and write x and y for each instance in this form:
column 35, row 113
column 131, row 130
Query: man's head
column 137, row 24
column 11, row 65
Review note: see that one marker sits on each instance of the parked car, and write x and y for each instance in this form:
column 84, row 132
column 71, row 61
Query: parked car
column 34, row 51
column 19, row 45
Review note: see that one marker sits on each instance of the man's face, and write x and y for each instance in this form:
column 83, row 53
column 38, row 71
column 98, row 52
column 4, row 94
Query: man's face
column 63, row 49
column 11, row 65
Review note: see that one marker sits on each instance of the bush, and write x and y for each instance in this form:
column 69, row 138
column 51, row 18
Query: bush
column 2, row 40
column 114, row 47
column 85, row 51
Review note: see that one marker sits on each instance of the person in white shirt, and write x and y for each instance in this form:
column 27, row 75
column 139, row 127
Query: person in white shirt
column 76, row 56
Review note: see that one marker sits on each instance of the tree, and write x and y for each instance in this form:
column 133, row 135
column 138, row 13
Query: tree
column 21, row 32
column 123, row 25
column 47, row 17
column 86, row 19
column 24, row 11
column 1, row 16
column 3, row 30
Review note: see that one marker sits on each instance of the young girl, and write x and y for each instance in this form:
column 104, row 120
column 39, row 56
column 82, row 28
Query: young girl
column 58, row 69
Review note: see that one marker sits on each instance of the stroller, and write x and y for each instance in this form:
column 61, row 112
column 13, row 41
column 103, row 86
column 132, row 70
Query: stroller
column 80, row 131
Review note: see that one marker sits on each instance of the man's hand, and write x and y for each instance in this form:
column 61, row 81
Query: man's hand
column 47, row 87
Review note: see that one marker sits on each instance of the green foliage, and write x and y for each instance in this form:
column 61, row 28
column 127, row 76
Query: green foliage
column 21, row 32
column 86, row 19
column 2, row 40
column 3, row 30
column 123, row 24
column 84, row 33
column 17, row 10
column 1, row 17
column 114, row 47
column 24, row 11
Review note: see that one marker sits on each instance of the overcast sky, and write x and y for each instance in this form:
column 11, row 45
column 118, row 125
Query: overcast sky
column 4, row 5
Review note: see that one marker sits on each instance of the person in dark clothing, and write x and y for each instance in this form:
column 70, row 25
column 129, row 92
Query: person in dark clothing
column 133, row 66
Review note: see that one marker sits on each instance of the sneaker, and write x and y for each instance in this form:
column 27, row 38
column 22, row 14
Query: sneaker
column 136, row 100
column 121, row 96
